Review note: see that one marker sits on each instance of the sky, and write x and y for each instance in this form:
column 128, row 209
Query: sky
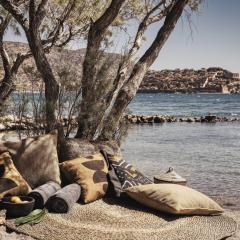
column 214, row 40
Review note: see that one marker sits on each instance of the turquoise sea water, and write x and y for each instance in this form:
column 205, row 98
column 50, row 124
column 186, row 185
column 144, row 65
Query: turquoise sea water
column 208, row 155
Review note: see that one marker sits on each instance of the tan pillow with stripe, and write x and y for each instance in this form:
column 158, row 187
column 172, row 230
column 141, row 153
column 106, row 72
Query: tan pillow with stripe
column 35, row 158
column 90, row 173
column 174, row 199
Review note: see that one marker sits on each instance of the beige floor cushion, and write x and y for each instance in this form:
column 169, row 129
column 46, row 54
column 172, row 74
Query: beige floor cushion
column 174, row 199
column 35, row 158
column 11, row 181
column 90, row 173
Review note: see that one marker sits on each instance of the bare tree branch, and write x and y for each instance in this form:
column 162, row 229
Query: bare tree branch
column 125, row 66
column 53, row 36
column 130, row 88
column 18, row 61
column 100, row 26
column 5, row 59
column 16, row 13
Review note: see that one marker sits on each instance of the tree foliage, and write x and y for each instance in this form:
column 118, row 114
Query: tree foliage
column 105, row 95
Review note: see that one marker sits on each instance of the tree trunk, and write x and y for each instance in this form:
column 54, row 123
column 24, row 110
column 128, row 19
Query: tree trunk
column 10, row 73
column 125, row 96
column 6, row 88
column 6, row 83
column 129, row 89
column 92, row 105
column 44, row 68
column 31, row 22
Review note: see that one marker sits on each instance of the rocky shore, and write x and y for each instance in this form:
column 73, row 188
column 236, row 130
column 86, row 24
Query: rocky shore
column 11, row 123
column 140, row 119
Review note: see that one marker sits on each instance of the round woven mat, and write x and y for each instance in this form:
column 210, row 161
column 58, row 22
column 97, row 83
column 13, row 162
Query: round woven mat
column 110, row 219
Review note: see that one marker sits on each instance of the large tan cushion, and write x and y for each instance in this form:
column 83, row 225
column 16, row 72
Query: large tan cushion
column 175, row 199
column 11, row 181
column 35, row 158
column 90, row 173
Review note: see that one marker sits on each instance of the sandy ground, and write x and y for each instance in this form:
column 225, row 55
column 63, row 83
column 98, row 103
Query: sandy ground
column 14, row 236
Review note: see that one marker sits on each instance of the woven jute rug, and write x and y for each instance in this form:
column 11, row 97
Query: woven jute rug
column 110, row 219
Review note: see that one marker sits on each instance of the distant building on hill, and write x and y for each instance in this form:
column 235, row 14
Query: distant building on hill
column 235, row 75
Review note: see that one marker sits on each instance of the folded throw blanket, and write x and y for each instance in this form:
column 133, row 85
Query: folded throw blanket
column 42, row 193
column 63, row 200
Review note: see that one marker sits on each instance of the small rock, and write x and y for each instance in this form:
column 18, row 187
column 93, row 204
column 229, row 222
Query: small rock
column 2, row 127
column 2, row 217
column 8, row 118
column 159, row 119
column 210, row 118
column 133, row 120
column 190, row 120
column 150, row 119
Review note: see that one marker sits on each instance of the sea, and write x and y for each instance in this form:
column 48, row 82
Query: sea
column 206, row 154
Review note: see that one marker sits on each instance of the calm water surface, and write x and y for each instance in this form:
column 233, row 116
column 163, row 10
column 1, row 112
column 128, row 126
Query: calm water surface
column 208, row 155
column 186, row 104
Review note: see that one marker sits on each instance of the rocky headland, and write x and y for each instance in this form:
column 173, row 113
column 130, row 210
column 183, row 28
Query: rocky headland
column 207, row 80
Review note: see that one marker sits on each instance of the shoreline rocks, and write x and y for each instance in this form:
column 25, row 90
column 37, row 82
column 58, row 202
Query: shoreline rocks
column 141, row 119
column 11, row 123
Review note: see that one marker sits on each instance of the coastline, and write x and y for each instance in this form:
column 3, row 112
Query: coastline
column 152, row 119
column 13, row 123
column 183, row 91
column 148, row 91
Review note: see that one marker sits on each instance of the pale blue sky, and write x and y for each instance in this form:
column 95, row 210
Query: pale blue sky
column 215, row 40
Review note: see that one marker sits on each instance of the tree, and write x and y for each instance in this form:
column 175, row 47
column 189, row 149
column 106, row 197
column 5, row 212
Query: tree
column 100, row 115
column 88, row 118
column 104, row 98
column 10, row 69
column 52, row 23
column 36, row 27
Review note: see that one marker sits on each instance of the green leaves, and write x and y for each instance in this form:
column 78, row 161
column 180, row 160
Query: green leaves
column 34, row 217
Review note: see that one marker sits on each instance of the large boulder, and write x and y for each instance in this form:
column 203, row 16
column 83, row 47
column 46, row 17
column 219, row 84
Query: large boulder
column 210, row 118
column 159, row 119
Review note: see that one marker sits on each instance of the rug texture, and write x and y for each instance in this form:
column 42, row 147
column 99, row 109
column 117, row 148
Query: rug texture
column 110, row 219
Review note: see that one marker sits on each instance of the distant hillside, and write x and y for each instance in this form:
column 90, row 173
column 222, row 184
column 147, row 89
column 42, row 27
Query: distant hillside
column 186, row 80
column 57, row 58
column 212, row 79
